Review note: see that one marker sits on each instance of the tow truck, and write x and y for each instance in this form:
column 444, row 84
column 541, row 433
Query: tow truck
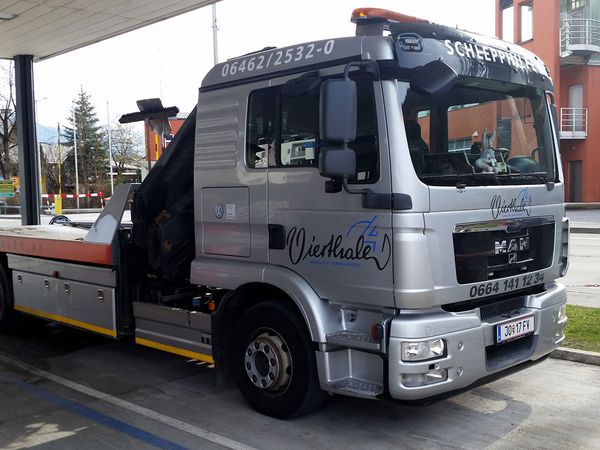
column 379, row 216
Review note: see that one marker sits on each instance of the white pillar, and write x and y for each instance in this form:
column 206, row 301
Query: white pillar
column 215, row 29
column 110, row 161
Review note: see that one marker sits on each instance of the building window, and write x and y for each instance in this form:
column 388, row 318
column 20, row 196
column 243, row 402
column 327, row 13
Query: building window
column 508, row 24
column 459, row 145
column 576, row 4
column 526, row 23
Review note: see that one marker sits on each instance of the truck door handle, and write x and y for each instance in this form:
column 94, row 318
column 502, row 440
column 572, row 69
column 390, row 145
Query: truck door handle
column 276, row 237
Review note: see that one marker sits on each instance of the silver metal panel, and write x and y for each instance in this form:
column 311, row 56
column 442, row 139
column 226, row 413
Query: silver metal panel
column 106, row 225
column 177, row 328
column 339, row 369
column 321, row 316
column 217, row 120
column 404, row 180
column 84, row 305
column 87, row 303
column 450, row 198
column 343, row 249
column 35, row 292
column 225, row 221
column 425, row 271
column 76, row 272
column 219, row 162
column 296, row 57
column 466, row 338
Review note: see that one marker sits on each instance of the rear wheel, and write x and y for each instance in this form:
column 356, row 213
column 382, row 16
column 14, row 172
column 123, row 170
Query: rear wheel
column 8, row 316
column 274, row 362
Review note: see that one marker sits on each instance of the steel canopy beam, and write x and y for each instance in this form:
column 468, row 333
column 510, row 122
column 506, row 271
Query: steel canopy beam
column 27, row 140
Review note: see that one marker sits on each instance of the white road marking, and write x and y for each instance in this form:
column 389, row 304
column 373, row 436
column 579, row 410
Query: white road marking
column 142, row 411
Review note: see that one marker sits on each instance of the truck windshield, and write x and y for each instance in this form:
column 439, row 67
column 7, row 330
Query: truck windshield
column 481, row 132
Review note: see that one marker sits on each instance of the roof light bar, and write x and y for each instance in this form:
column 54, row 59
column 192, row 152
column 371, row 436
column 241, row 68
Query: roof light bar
column 362, row 15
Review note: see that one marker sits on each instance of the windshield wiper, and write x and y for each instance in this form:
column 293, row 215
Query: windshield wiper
column 460, row 178
column 542, row 177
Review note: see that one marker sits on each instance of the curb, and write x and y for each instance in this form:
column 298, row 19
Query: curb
column 587, row 230
column 581, row 356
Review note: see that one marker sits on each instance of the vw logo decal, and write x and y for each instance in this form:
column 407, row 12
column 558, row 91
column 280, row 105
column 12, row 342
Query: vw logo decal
column 219, row 211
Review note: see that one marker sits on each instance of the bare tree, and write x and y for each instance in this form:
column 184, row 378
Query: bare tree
column 8, row 123
column 127, row 148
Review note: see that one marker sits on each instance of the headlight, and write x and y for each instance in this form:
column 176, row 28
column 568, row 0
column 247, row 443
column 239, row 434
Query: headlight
column 562, row 313
column 423, row 350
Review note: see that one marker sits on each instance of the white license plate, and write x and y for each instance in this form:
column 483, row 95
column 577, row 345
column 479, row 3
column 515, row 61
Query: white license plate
column 514, row 329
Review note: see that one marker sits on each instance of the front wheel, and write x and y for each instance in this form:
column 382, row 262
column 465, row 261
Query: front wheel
column 274, row 362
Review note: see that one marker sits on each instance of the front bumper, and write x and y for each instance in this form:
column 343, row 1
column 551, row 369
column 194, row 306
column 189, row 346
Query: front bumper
column 471, row 350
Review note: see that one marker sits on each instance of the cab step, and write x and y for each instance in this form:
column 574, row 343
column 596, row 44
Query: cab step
column 358, row 388
column 352, row 339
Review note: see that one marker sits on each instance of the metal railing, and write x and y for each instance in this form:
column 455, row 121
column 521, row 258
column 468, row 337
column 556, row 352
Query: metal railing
column 579, row 35
column 573, row 123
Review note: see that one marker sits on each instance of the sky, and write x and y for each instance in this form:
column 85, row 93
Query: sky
column 170, row 58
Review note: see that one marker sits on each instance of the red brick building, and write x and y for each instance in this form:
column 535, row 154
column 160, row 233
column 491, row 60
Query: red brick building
column 566, row 35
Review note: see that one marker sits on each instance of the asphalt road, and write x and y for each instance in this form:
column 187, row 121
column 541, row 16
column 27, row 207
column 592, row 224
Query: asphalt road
column 583, row 277
column 64, row 389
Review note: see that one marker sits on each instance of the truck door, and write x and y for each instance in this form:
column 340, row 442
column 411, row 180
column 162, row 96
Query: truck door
column 342, row 249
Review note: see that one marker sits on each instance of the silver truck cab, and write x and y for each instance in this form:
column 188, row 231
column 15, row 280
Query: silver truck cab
column 427, row 269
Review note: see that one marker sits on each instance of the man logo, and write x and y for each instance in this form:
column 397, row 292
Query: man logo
column 512, row 258
column 511, row 245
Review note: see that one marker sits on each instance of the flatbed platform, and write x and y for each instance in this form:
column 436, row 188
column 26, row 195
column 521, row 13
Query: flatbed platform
column 54, row 242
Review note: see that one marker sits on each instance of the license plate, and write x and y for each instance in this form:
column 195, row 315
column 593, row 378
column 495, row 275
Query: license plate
column 514, row 329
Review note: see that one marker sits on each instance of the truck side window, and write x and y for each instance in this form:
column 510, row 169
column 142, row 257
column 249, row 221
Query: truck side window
column 282, row 130
column 299, row 129
column 260, row 128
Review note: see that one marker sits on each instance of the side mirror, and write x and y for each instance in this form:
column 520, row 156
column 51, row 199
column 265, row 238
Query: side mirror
column 338, row 110
column 433, row 79
column 337, row 163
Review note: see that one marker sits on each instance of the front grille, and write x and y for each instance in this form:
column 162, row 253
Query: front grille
column 501, row 307
column 502, row 249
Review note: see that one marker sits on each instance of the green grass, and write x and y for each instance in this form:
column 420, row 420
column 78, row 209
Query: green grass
column 583, row 328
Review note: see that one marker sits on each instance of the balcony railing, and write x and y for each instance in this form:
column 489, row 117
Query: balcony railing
column 573, row 123
column 579, row 37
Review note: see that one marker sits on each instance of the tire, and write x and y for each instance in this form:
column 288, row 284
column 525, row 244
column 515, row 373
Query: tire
column 274, row 363
column 8, row 316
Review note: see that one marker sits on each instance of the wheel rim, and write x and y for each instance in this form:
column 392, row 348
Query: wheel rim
column 268, row 361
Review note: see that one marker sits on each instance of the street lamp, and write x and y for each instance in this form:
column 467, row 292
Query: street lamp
column 75, row 145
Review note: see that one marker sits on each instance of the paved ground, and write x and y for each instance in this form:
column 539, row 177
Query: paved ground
column 65, row 389
column 583, row 277
column 62, row 389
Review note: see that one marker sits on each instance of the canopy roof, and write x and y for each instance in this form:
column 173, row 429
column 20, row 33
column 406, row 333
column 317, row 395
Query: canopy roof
column 46, row 28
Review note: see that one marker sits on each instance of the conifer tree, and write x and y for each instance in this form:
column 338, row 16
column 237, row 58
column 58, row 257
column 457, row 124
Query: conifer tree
column 92, row 160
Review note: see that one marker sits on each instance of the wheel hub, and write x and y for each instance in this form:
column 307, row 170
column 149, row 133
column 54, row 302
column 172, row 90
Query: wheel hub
column 268, row 362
